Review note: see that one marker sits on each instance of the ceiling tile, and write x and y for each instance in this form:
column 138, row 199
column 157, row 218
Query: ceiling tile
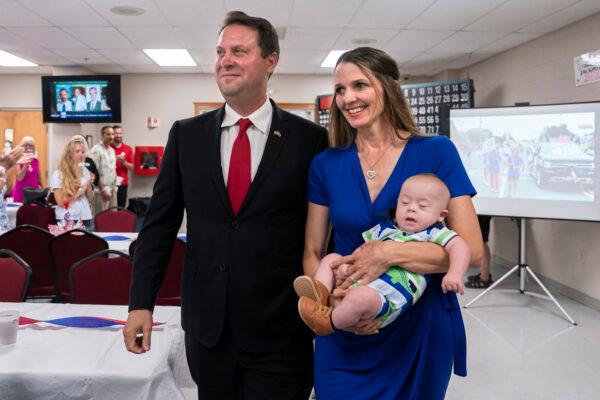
column 466, row 60
column 402, row 57
column 14, row 14
column 192, row 12
column 127, row 57
column 465, row 42
column 151, row 17
column 198, row 37
column 419, row 41
column 204, row 57
column 564, row 17
column 507, row 42
column 10, row 41
column 298, row 58
column 153, row 37
column 388, row 14
column 275, row 11
column 106, row 69
column 66, row 12
column 83, row 57
column 42, row 57
column 310, row 38
column 51, row 38
column 100, row 37
column 516, row 14
column 143, row 69
column 318, row 13
column 431, row 60
column 294, row 70
column 452, row 14
column 381, row 37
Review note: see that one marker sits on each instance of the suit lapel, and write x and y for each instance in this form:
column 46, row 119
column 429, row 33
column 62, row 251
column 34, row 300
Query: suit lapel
column 277, row 137
column 214, row 130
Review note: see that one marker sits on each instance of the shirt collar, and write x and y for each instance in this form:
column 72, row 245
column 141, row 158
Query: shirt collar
column 261, row 118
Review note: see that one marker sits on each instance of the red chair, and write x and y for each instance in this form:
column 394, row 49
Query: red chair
column 14, row 277
column 31, row 244
column 115, row 219
column 101, row 279
column 36, row 214
column 170, row 290
column 68, row 248
column 51, row 199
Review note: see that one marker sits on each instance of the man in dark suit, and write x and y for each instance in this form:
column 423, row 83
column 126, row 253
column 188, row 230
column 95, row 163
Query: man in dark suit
column 94, row 104
column 240, row 173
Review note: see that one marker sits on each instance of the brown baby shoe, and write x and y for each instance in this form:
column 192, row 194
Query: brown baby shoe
column 315, row 315
column 306, row 286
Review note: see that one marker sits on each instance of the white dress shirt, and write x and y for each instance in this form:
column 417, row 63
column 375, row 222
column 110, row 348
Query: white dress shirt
column 257, row 133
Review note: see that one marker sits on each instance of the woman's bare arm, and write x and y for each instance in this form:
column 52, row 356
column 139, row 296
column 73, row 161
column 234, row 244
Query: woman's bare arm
column 317, row 225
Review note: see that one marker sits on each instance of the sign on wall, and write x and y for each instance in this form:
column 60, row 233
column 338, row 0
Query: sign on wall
column 587, row 68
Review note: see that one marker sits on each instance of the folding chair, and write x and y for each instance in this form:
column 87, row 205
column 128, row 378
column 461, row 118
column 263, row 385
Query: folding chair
column 170, row 290
column 36, row 214
column 31, row 244
column 115, row 219
column 14, row 277
column 101, row 279
column 68, row 248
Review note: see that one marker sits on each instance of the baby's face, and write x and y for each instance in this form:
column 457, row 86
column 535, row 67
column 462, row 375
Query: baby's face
column 421, row 204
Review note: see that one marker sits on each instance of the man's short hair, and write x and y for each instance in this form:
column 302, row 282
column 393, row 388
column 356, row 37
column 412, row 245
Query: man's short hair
column 268, row 40
column 116, row 127
column 104, row 128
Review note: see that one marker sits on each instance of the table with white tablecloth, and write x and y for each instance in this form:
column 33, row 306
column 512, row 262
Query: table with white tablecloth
column 52, row 361
column 11, row 211
column 122, row 240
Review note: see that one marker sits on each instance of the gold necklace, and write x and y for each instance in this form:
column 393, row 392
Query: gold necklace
column 371, row 171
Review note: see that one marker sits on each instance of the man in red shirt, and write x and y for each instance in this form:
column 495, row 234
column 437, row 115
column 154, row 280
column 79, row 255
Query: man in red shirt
column 124, row 163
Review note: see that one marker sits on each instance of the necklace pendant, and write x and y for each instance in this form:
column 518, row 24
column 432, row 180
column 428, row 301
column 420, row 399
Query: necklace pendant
column 370, row 174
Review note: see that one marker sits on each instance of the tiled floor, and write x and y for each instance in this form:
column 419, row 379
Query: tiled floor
column 521, row 347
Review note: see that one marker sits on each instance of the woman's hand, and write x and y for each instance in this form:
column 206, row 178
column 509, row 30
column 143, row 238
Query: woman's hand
column 366, row 263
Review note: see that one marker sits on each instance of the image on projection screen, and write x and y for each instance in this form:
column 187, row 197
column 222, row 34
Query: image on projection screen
column 531, row 161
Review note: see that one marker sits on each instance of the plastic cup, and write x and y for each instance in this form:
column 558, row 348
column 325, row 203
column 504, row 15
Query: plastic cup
column 9, row 326
column 119, row 180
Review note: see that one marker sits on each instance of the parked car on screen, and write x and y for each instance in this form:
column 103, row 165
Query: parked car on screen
column 562, row 162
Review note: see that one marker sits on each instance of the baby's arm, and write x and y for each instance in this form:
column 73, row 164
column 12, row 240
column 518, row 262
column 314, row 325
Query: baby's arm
column 460, row 255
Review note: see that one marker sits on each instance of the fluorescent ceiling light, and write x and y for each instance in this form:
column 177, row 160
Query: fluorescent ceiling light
column 171, row 57
column 10, row 60
column 332, row 58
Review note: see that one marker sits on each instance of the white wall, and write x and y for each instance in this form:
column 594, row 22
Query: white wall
column 541, row 72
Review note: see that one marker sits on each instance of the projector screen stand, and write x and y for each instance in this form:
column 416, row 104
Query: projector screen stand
column 522, row 268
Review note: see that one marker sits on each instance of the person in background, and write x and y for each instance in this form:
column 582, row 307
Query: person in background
column 27, row 174
column 94, row 103
column 239, row 173
column 63, row 104
column 72, row 184
column 483, row 279
column 105, row 193
column 5, row 189
column 79, row 99
column 15, row 156
column 124, row 155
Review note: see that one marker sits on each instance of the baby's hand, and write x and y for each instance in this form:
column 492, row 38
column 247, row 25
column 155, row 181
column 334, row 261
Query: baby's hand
column 453, row 283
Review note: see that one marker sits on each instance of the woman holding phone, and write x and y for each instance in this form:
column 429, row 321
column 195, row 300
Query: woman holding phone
column 27, row 174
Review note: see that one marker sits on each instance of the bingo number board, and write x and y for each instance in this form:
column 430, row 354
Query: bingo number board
column 431, row 102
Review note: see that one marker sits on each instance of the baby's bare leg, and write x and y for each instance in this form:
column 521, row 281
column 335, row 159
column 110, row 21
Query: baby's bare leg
column 324, row 273
column 361, row 302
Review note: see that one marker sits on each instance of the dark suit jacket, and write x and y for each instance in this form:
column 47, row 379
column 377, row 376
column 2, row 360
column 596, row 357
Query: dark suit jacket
column 236, row 267
column 98, row 106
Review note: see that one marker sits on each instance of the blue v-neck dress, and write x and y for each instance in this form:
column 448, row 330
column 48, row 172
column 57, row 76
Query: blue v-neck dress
column 412, row 358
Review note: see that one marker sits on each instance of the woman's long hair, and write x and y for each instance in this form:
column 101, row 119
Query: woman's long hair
column 69, row 168
column 375, row 64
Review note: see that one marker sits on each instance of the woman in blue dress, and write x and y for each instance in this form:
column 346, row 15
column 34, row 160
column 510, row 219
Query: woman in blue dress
column 353, row 186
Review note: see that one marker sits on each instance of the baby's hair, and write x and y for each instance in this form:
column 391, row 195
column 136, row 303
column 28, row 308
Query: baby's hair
column 434, row 178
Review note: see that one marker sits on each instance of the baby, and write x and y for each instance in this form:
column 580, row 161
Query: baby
column 420, row 213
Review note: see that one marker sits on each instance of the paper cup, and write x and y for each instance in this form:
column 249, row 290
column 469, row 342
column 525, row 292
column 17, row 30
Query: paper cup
column 119, row 180
column 9, row 326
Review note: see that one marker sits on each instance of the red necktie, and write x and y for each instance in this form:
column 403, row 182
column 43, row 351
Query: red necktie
column 238, row 180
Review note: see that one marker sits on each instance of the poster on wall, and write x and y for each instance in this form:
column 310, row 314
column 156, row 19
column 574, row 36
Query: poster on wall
column 587, row 68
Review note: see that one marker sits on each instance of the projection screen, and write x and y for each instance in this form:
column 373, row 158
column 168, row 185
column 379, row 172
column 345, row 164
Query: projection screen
column 532, row 162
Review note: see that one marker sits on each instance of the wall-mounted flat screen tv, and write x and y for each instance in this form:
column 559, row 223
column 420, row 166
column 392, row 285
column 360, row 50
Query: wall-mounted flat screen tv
column 81, row 98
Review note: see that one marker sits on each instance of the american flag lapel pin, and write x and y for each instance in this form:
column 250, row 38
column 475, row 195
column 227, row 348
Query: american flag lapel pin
column 277, row 133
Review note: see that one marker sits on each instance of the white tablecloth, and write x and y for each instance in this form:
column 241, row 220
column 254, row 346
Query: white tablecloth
column 53, row 362
column 11, row 211
column 121, row 240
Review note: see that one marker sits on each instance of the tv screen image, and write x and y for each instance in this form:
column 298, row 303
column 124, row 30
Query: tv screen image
column 94, row 98
column 536, row 161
